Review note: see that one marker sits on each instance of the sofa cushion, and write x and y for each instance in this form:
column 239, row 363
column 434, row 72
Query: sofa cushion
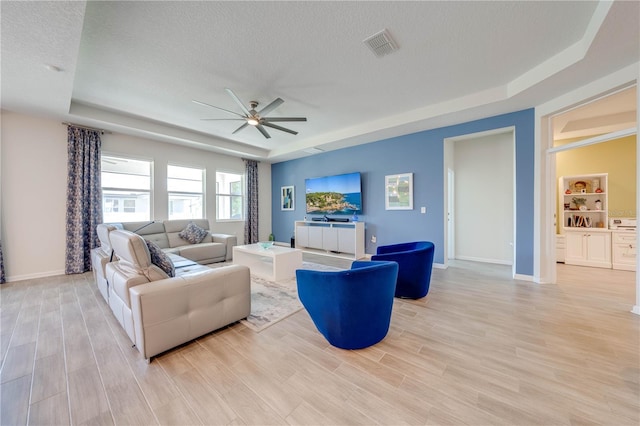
column 203, row 252
column 175, row 226
column 193, row 233
column 160, row 259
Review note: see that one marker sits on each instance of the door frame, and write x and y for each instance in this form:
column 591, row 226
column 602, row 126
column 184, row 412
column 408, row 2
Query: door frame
column 449, row 165
column 545, row 185
column 451, row 210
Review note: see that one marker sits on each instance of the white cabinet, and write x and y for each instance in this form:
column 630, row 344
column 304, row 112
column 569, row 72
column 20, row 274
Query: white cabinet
column 339, row 239
column 307, row 236
column 330, row 239
column 315, row 238
column 347, row 241
column 583, row 201
column 624, row 250
column 302, row 236
column 588, row 247
column 335, row 238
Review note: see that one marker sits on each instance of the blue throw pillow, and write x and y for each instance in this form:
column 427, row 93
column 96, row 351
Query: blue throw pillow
column 193, row 233
column 160, row 259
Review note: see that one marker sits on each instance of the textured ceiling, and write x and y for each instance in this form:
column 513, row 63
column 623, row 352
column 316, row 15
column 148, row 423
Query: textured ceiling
column 135, row 67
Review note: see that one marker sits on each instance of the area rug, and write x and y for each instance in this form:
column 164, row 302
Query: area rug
column 274, row 301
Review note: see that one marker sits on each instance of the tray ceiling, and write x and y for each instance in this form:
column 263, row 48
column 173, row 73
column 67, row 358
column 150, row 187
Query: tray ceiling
column 135, row 67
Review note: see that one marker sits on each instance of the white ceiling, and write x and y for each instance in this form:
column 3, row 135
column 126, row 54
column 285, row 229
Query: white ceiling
column 135, row 67
column 613, row 112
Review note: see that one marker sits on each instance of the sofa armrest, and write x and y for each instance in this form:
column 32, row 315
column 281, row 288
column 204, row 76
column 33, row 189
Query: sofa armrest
column 173, row 311
column 228, row 240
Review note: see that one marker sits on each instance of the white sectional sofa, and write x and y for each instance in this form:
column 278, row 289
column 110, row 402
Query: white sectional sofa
column 213, row 248
column 159, row 312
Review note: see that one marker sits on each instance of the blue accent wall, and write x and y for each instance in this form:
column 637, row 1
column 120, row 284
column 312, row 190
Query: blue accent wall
column 422, row 154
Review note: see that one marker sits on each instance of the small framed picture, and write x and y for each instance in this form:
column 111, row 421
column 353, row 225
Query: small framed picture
column 579, row 186
column 287, row 201
column 399, row 192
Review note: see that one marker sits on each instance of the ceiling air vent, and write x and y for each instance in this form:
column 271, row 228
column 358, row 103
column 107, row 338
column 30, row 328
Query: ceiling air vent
column 380, row 43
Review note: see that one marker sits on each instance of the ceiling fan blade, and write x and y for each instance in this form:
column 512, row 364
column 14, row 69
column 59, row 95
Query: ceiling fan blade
column 275, row 126
column 238, row 101
column 240, row 128
column 263, row 131
column 273, row 105
column 223, row 119
column 221, row 109
column 276, row 119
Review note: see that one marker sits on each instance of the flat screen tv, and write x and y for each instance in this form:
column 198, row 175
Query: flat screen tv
column 338, row 194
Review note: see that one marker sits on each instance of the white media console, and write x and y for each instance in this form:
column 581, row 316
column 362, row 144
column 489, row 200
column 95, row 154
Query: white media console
column 344, row 239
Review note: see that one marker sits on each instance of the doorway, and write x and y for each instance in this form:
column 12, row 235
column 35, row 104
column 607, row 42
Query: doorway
column 480, row 191
column 547, row 119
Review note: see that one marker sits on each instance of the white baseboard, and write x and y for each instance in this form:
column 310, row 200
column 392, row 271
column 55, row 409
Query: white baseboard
column 523, row 277
column 636, row 310
column 14, row 278
column 485, row 260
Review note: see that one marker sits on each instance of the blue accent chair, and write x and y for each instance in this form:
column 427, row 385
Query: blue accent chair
column 351, row 308
column 415, row 261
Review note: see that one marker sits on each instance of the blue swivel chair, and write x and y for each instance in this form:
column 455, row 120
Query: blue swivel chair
column 415, row 261
column 351, row 308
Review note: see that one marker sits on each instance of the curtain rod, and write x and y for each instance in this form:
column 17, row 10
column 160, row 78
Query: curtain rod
column 102, row 131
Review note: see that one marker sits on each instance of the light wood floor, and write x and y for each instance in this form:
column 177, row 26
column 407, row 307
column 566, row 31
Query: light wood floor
column 480, row 349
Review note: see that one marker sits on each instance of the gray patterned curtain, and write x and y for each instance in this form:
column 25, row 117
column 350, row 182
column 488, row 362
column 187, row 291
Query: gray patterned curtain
column 84, row 197
column 2, row 278
column 251, row 222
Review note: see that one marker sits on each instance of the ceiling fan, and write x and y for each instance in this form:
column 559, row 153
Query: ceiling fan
column 254, row 118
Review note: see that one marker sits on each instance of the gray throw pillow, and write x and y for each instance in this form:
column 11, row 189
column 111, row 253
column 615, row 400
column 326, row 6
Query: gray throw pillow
column 193, row 233
column 160, row 259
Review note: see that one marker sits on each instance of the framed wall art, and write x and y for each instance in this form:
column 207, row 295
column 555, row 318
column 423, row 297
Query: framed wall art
column 287, row 200
column 398, row 192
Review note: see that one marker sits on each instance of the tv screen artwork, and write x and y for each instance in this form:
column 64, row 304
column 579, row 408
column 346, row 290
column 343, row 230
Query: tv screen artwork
column 339, row 194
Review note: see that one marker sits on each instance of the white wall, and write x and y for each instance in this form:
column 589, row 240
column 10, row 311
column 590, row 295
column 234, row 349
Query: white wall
column 484, row 198
column 34, row 163
column 34, row 182
column 163, row 154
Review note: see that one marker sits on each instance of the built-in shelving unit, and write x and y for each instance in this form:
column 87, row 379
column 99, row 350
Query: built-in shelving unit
column 584, row 202
column 342, row 239
column 592, row 190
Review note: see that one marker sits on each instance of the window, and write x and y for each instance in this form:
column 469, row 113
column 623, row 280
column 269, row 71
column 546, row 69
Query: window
column 126, row 189
column 229, row 196
column 186, row 192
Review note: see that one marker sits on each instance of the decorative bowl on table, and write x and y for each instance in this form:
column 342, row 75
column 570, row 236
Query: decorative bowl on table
column 265, row 245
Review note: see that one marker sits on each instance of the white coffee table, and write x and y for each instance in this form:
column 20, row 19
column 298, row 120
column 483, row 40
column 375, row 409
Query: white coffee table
column 274, row 264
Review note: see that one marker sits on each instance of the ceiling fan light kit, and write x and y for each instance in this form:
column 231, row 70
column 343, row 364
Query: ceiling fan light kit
column 257, row 119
